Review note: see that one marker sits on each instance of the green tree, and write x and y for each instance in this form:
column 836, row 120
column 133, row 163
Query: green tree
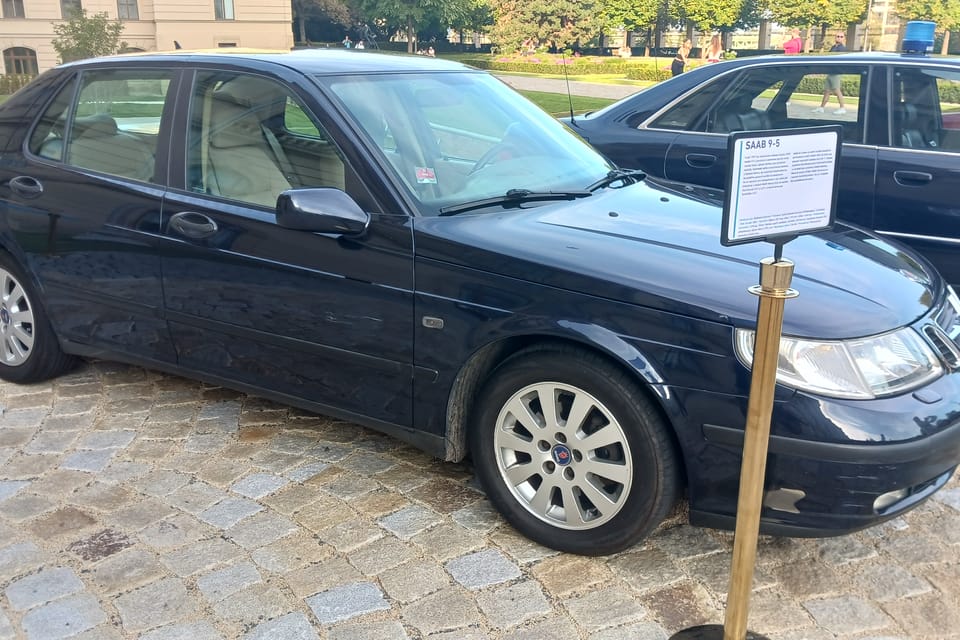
column 632, row 15
column 333, row 10
column 946, row 13
column 408, row 15
column 710, row 16
column 548, row 22
column 824, row 14
column 87, row 36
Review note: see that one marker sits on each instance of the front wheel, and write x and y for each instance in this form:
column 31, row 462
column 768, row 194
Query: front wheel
column 572, row 452
column 29, row 351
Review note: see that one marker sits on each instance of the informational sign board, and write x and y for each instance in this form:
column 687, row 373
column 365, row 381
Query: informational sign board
column 780, row 184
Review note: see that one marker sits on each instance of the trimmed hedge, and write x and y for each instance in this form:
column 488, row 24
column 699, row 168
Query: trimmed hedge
column 13, row 82
column 849, row 86
column 645, row 69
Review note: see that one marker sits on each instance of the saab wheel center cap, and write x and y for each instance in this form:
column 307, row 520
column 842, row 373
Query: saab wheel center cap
column 561, row 455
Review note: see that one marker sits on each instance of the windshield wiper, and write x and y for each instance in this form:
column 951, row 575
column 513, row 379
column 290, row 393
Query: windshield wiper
column 514, row 197
column 629, row 176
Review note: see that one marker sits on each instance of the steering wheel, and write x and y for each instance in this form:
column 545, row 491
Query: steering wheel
column 508, row 147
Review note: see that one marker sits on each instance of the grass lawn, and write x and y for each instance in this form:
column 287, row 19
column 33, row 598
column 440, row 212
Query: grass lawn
column 558, row 104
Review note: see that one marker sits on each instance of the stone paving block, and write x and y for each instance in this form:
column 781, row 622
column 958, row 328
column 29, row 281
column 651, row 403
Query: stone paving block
column 771, row 612
column 101, row 496
column 552, row 628
column 685, row 604
column 7, row 632
column 408, row 522
column 522, row 549
column 67, row 521
column 347, row 601
column 122, row 472
column 806, row 579
column 479, row 517
column 144, row 513
column 275, row 461
column 290, row 553
column 291, row 499
column 447, row 540
column 100, row 545
column 195, row 497
column 20, row 558
column 306, row 471
column 113, row 439
column 402, row 477
column 185, row 631
column 350, row 486
column 321, row 576
column 126, row 570
column 162, row 482
column 413, row 580
column 445, row 496
column 175, row 531
column 927, row 616
column 949, row 497
column 15, row 437
column 255, row 604
column 207, row 443
column 482, row 569
column 847, row 614
column 609, row 607
column 47, row 585
column 258, row 485
column 157, row 604
column 28, row 466
column 514, row 604
column 686, row 542
column 261, row 529
column 293, row 626
column 912, row 547
column 387, row 630
column 648, row 568
column 229, row 512
column 200, row 556
column 9, row 488
column 444, row 610
column 367, row 464
column 350, row 535
column 92, row 461
column 15, row 418
column 51, row 442
column 843, row 550
column 380, row 555
column 63, row 618
column 217, row 585
column 565, row 574
column 636, row 631
column 886, row 582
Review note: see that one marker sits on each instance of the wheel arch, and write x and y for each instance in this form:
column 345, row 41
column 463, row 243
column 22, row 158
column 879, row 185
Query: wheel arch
column 610, row 348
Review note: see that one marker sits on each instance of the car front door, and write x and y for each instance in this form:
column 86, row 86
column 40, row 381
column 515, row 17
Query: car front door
column 319, row 317
column 87, row 198
column 918, row 172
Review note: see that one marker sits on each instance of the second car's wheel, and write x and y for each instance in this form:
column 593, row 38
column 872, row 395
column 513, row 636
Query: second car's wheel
column 572, row 452
column 29, row 351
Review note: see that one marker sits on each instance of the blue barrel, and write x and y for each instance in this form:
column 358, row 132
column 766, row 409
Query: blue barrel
column 918, row 37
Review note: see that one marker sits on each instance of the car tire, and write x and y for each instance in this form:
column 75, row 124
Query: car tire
column 592, row 477
column 29, row 350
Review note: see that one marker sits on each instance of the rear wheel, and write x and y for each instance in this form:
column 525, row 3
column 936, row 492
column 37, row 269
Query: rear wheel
column 572, row 452
column 29, row 351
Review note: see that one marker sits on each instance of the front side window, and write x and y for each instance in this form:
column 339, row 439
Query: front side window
column 70, row 8
column 774, row 97
column 111, row 127
column 223, row 9
column 20, row 60
column 128, row 10
column 13, row 9
column 926, row 109
column 251, row 138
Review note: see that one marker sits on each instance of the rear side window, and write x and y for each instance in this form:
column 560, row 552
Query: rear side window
column 112, row 125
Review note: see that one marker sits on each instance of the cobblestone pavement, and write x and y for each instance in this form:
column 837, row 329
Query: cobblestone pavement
column 139, row 505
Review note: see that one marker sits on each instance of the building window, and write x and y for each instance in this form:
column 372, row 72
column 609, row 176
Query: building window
column 69, row 7
column 127, row 10
column 20, row 60
column 223, row 9
column 13, row 9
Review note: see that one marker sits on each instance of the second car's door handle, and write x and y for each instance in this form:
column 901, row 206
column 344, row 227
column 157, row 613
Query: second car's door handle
column 912, row 178
column 26, row 187
column 192, row 224
column 700, row 160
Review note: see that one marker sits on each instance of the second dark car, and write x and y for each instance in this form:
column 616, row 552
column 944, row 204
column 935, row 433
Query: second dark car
column 901, row 133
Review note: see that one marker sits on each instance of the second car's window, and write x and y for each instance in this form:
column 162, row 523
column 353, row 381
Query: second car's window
column 251, row 139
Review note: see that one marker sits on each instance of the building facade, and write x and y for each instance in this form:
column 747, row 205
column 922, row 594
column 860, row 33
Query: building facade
column 26, row 26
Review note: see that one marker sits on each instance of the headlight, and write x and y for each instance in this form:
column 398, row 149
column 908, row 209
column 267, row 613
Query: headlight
column 861, row 368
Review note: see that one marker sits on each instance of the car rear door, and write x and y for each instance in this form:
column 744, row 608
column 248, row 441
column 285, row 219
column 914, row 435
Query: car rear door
column 919, row 170
column 318, row 317
column 84, row 205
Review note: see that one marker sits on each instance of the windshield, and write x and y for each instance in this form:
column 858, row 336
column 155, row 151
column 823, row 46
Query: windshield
column 454, row 138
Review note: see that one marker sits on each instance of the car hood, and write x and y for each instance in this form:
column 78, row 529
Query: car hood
column 657, row 244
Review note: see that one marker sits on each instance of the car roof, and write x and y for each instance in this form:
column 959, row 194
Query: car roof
column 313, row 61
column 876, row 57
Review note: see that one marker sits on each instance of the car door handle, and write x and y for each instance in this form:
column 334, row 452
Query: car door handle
column 26, row 187
column 700, row 160
column 192, row 224
column 912, row 178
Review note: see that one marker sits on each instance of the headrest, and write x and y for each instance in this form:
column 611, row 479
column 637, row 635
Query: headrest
column 909, row 113
column 99, row 124
column 239, row 107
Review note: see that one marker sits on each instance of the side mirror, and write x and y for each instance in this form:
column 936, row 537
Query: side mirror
column 321, row 210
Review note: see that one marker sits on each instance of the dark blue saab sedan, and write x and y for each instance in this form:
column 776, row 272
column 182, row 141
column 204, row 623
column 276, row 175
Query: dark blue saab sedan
column 409, row 244
column 900, row 116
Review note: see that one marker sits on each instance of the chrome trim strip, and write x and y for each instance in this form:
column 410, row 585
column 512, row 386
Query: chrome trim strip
column 915, row 236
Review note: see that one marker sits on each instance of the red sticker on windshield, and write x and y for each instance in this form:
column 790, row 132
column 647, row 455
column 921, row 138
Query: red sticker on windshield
column 426, row 175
